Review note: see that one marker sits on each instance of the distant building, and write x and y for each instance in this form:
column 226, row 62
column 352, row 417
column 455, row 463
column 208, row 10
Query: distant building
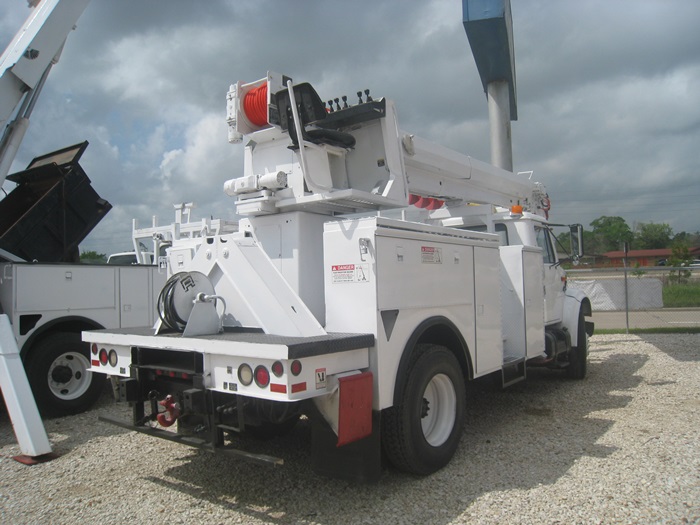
column 645, row 257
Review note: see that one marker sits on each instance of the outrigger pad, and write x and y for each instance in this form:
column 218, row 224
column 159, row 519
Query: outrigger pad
column 35, row 460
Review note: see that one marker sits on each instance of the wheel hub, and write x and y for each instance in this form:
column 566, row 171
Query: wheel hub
column 425, row 407
column 61, row 374
column 438, row 410
column 69, row 377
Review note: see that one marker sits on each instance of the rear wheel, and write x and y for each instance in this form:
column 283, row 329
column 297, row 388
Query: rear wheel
column 421, row 433
column 578, row 355
column 58, row 372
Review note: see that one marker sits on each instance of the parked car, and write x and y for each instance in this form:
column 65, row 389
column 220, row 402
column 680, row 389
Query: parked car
column 127, row 258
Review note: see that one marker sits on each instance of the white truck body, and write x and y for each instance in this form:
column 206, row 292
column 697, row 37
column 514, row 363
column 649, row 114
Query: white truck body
column 323, row 305
column 48, row 305
column 107, row 296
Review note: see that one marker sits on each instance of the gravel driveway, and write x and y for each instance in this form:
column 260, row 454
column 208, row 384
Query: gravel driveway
column 622, row 446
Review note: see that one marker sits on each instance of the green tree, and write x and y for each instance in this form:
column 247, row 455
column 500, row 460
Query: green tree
column 609, row 234
column 680, row 256
column 690, row 239
column 93, row 257
column 651, row 236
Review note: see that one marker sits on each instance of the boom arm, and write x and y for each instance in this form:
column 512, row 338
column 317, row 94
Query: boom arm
column 26, row 63
column 435, row 170
column 302, row 155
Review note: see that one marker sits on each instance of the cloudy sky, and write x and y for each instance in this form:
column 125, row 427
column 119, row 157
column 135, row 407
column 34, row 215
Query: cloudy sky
column 608, row 95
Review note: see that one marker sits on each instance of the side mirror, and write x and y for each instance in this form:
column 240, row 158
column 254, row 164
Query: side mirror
column 576, row 238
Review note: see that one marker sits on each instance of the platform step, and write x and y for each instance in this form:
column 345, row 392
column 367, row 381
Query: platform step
column 513, row 372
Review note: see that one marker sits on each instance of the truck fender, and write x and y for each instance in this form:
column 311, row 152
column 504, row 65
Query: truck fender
column 437, row 330
column 62, row 324
column 574, row 301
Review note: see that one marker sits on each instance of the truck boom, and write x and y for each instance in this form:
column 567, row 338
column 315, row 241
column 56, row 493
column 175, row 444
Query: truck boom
column 24, row 66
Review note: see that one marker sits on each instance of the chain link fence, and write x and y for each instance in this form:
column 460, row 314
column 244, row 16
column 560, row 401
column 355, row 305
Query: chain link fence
column 641, row 298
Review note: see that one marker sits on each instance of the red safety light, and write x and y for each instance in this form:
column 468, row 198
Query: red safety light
column 295, row 367
column 171, row 373
column 185, row 375
column 93, row 347
column 278, row 368
column 435, row 204
column 428, row 203
column 262, row 376
column 159, row 372
column 104, row 357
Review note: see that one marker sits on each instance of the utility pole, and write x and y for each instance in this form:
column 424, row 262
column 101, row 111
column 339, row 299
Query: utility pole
column 489, row 28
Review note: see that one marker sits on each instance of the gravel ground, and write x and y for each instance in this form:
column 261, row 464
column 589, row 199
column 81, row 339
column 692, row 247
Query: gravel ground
column 620, row 447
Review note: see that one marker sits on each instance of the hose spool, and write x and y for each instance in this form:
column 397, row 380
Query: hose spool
column 176, row 299
column 255, row 105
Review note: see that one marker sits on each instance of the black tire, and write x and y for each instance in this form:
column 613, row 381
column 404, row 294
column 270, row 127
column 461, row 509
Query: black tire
column 578, row 355
column 415, row 439
column 57, row 372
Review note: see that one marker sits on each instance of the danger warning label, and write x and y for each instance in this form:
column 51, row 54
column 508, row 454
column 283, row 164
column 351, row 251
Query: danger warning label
column 430, row 255
column 350, row 273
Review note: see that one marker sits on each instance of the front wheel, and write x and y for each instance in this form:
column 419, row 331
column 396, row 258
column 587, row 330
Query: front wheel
column 58, row 372
column 421, row 433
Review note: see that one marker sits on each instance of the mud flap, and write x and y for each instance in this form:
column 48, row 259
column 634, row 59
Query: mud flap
column 354, row 452
column 354, row 408
column 356, row 461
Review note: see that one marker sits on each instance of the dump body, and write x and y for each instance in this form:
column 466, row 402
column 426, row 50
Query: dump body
column 52, row 209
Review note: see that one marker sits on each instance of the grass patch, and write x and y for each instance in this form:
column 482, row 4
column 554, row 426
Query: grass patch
column 659, row 330
column 681, row 295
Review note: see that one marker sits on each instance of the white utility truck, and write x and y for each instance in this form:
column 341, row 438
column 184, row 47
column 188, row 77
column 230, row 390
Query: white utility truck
column 373, row 274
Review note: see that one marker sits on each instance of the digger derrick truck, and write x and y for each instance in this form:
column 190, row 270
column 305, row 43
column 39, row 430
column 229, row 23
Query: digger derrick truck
column 373, row 274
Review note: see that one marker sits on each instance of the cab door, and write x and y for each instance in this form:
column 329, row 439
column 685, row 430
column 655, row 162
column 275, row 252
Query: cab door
column 553, row 278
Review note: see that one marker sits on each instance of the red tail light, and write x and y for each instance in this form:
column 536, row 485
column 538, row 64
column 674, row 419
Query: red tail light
column 278, row 368
column 262, row 376
column 104, row 357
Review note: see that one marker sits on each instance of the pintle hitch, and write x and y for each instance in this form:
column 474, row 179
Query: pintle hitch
column 165, row 419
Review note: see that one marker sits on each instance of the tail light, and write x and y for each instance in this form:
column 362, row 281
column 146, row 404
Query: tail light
column 262, row 376
column 245, row 374
column 278, row 368
column 104, row 357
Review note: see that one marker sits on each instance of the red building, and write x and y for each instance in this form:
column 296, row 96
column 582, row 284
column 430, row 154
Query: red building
column 645, row 257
